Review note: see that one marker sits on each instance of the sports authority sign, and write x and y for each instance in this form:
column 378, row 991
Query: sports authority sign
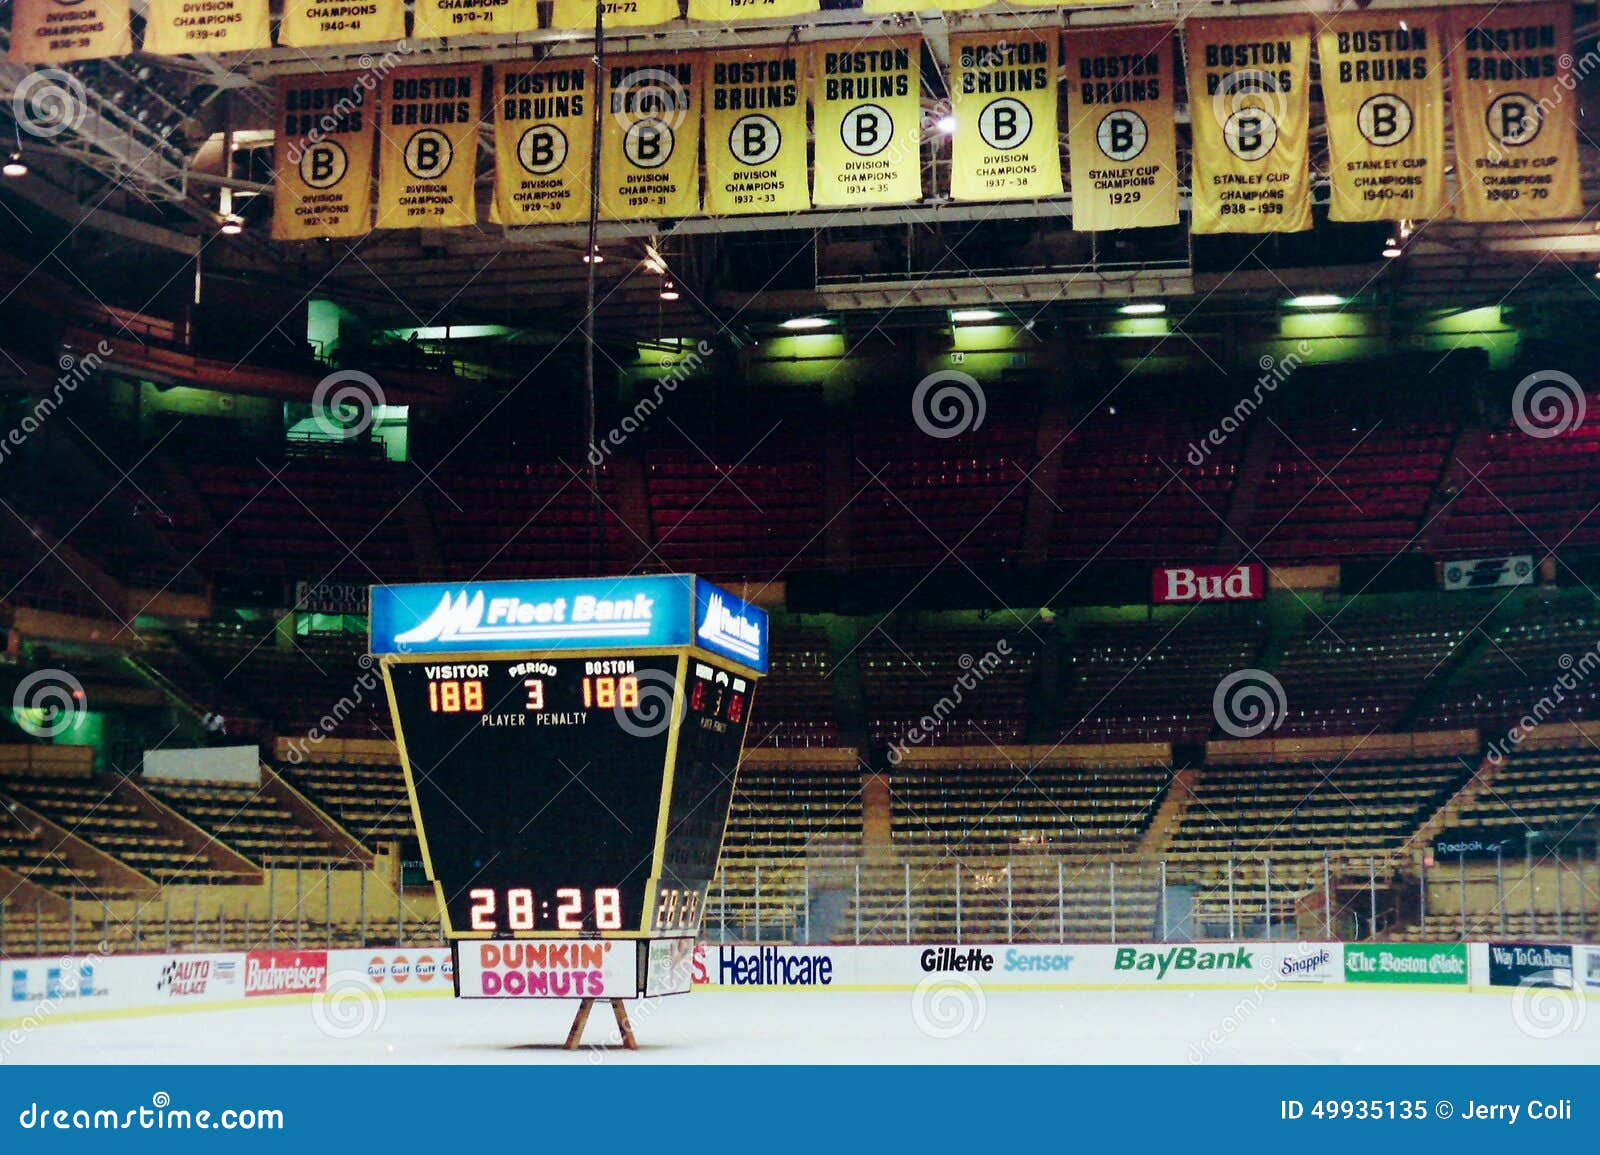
column 1177, row 584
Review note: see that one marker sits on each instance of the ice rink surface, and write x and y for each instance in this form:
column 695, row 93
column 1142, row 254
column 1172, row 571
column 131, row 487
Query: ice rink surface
column 954, row 1025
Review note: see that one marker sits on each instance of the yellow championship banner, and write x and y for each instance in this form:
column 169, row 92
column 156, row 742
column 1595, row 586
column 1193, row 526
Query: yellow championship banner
column 322, row 161
column 1383, row 100
column 315, row 23
column 1003, row 95
column 650, row 138
column 929, row 5
column 867, row 113
column 542, row 141
column 434, row 19
column 755, row 110
column 1513, row 95
column 176, row 27
column 1250, row 112
column 1122, row 143
column 58, row 31
column 724, row 11
column 428, row 148
column 578, row 15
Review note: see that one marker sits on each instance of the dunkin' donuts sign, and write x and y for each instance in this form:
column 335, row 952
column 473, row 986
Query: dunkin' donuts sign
column 1176, row 584
column 529, row 969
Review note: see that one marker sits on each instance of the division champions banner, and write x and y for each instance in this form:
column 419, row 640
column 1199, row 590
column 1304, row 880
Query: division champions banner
column 1003, row 95
column 755, row 110
column 58, row 31
column 579, row 14
column 314, row 23
column 542, row 141
column 1250, row 111
column 428, row 156
column 176, row 27
column 438, row 18
column 1122, row 145
column 650, row 138
column 322, row 184
column 724, row 11
column 867, row 112
column 1383, row 97
column 1513, row 94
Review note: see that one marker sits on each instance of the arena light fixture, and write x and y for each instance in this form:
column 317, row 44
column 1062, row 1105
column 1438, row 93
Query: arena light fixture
column 960, row 316
column 946, row 124
column 794, row 323
column 594, row 256
column 15, row 166
column 1316, row 301
column 232, row 225
column 669, row 290
column 1391, row 248
column 1143, row 309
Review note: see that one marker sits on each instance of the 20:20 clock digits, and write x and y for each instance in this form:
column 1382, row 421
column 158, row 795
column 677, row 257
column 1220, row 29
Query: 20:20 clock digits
column 522, row 911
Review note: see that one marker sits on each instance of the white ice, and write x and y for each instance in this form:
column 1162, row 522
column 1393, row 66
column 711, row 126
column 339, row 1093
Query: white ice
column 1281, row 1025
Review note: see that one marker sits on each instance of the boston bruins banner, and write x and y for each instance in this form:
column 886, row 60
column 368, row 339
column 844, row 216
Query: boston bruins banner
column 1383, row 96
column 756, row 131
column 1122, row 146
column 925, row 5
column 436, row 18
column 867, row 111
column 579, row 14
column 1249, row 100
column 312, row 23
column 1003, row 95
column 175, row 27
column 650, row 138
column 726, row 10
column 57, row 31
column 428, row 154
column 1513, row 94
column 542, row 138
column 322, row 161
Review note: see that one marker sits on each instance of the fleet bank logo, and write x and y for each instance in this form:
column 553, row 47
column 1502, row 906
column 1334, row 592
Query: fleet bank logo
column 464, row 617
column 735, row 634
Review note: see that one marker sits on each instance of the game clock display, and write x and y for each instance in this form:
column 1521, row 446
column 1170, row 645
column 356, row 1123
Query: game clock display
column 539, row 786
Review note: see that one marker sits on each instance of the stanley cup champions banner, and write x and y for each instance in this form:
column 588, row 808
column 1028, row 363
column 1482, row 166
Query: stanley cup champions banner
column 1122, row 142
column 755, row 110
column 437, row 18
column 1003, row 95
column 175, row 27
column 543, row 141
column 58, row 31
column 1250, row 108
column 322, row 166
column 314, row 23
column 1513, row 93
column 579, row 14
column 428, row 150
column 650, row 138
column 1383, row 97
column 867, row 111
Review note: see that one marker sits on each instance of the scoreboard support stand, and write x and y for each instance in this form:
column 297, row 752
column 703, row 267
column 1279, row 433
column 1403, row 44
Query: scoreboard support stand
column 581, row 1020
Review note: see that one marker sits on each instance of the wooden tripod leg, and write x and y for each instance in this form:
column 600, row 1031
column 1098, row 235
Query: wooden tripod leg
column 581, row 1020
column 620, row 1009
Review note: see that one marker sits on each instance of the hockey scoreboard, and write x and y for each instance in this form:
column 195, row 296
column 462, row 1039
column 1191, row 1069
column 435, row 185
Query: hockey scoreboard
column 570, row 749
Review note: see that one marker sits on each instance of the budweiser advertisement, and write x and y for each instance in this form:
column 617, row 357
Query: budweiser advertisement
column 285, row 972
column 1172, row 584
column 548, row 969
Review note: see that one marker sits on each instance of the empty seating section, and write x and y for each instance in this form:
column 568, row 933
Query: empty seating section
column 1358, row 493
column 533, row 520
column 1126, row 488
column 34, row 855
column 1542, row 792
column 1152, row 680
column 794, row 704
column 752, row 519
column 250, row 821
column 918, row 501
column 1527, row 492
column 1518, row 666
column 795, row 812
column 1357, row 668
column 972, row 682
column 368, row 799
